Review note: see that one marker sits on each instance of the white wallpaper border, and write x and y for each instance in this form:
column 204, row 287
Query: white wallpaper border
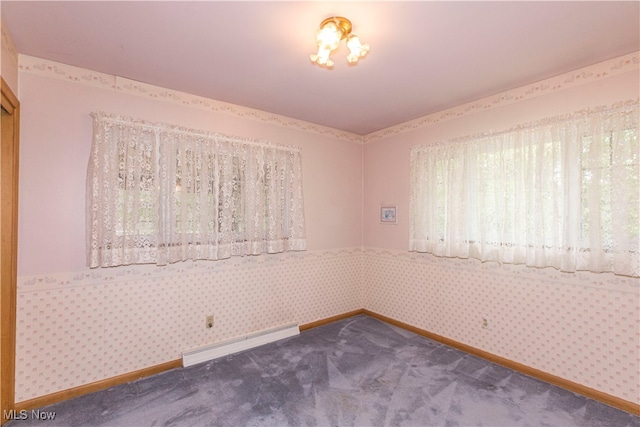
column 606, row 281
column 612, row 67
column 100, row 276
column 103, row 276
column 52, row 69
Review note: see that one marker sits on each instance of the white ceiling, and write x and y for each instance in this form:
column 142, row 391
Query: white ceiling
column 425, row 56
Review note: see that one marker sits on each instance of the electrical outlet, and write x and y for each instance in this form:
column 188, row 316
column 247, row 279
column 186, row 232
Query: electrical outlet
column 210, row 321
column 485, row 323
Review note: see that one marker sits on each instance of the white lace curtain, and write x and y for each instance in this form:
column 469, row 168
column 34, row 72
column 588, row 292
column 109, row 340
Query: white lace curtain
column 563, row 192
column 159, row 194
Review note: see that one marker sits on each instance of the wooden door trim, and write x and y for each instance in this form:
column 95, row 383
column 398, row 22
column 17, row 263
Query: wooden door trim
column 9, row 253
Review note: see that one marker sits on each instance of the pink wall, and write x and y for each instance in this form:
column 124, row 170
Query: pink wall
column 75, row 325
column 386, row 160
column 56, row 139
column 583, row 327
column 104, row 322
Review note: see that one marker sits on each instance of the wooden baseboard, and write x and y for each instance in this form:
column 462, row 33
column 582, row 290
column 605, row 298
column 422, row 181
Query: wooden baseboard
column 591, row 393
column 59, row 396
column 527, row 370
column 330, row 319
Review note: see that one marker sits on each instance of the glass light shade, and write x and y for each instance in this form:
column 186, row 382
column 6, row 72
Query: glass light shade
column 357, row 50
column 322, row 57
column 329, row 36
column 332, row 31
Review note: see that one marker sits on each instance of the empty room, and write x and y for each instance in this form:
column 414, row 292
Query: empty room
column 320, row 213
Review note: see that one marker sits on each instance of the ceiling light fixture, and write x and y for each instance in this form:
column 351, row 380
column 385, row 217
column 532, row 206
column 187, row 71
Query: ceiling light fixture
column 331, row 31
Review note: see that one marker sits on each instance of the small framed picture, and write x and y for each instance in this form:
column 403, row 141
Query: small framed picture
column 388, row 214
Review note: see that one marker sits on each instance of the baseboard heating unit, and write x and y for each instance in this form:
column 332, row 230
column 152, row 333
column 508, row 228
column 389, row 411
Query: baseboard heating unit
column 235, row 345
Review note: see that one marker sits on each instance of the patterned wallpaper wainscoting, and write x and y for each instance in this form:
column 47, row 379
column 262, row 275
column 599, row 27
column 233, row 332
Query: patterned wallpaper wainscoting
column 77, row 328
column 582, row 327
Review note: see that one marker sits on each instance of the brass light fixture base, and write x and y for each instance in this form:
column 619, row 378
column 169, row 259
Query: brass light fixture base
column 343, row 24
column 328, row 37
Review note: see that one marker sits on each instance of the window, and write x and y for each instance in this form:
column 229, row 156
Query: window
column 559, row 193
column 161, row 194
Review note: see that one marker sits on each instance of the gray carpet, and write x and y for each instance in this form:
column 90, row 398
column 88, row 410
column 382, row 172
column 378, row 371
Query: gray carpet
column 359, row 371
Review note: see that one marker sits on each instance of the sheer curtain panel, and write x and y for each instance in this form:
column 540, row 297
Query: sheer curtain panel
column 562, row 192
column 159, row 194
